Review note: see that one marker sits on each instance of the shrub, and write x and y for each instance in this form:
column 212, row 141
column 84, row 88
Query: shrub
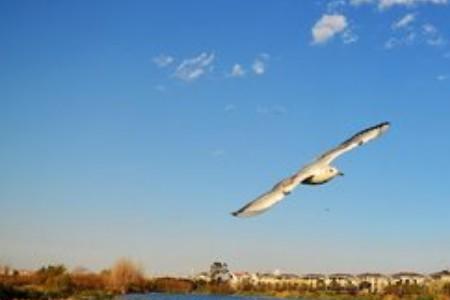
column 173, row 285
column 125, row 276
column 446, row 289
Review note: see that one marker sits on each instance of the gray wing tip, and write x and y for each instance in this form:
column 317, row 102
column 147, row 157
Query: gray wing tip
column 385, row 124
column 247, row 214
column 242, row 214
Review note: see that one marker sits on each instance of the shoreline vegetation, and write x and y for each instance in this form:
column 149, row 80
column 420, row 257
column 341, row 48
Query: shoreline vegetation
column 125, row 277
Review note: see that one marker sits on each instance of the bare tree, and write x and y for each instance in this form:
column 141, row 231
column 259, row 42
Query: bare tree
column 125, row 275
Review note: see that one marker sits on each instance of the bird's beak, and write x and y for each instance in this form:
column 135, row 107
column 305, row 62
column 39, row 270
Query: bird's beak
column 341, row 174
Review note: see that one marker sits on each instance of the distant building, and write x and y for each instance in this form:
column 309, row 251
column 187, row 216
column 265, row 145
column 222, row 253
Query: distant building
column 341, row 280
column 373, row 282
column 246, row 278
column 407, row 278
column 314, row 281
column 290, row 278
column 267, row 278
column 442, row 276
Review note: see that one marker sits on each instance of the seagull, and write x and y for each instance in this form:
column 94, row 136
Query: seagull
column 319, row 171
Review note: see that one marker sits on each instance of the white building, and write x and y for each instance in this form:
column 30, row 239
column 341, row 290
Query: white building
column 314, row 281
column 442, row 276
column 373, row 282
column 342, row 280
column 408, row 278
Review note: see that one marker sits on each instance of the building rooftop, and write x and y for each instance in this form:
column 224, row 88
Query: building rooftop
column 376, row 275
column 408, row 274
column 440, row 274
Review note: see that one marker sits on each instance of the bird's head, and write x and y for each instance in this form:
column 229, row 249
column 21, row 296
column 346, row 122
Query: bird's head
column 335, row 172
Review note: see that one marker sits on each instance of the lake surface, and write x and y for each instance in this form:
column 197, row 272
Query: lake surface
column 156, row 296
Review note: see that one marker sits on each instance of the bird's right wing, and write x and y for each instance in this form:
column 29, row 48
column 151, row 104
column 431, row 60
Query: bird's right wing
column 272, row 197
column 356, row 140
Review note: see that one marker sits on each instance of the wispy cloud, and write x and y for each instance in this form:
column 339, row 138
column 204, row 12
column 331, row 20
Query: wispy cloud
column 404, row 21
column 229, row 108
column 271, row 110
column 405, row 40
column 237, row 71
column 442, row 77
column 406, row 34
column 160, row 88
column 218, row 153
column 163, row 60
column 336, row 5
column 192, row 68
column 383, row 4
column 432, row 35
column 327, row 27
column 259, row 65
column 360, row 2
column 349, row 37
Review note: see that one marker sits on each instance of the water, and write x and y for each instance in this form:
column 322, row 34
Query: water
column 156, row 296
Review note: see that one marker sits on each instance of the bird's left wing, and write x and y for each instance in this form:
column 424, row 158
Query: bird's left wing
column 272, row 197
column 358, row 139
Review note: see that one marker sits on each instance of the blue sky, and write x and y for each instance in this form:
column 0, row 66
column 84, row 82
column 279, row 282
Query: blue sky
column 133, row 129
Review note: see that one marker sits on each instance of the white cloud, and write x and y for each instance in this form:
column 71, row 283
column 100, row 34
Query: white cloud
column 349, row 37
column 436, row 41
column 217, row 153
column 432, row 35
column 230, row 108
column 383, row 4
column 336, row 5
column 428, row 34
column 327, row 27
column 163, row 60
column 404, row 21
column 360, row 2
column 405, row 33
column 237, row 71
column 259, row 67
column 429, row 29
column 406, row 40
column 192, row 68
column 391, row 43
column 271, row 110
column 160, row 88
column 265, row 56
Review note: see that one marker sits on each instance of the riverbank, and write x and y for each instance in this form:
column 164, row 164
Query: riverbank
column 55, row 282
column 90, row 291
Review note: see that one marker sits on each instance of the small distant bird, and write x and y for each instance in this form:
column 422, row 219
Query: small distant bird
column 318, row 172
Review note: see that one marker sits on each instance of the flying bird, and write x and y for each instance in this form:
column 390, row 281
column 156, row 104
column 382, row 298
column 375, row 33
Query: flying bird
column 319, row 171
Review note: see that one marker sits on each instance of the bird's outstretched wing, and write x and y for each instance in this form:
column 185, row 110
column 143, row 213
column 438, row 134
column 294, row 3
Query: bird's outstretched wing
column 358, row 139
column 272, row 197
